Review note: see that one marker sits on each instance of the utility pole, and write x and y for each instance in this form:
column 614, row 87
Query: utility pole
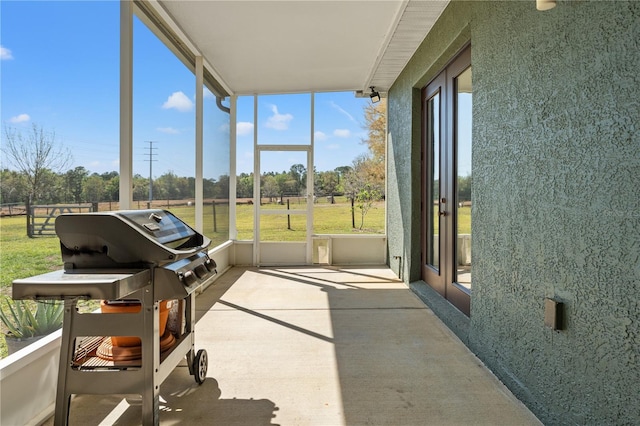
column 151, row 160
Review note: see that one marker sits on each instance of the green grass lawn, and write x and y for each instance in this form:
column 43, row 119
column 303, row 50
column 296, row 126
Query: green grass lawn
column 22, row 257
column 327, row 219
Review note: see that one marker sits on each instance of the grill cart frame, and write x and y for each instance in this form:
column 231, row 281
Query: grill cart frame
column 149, row 270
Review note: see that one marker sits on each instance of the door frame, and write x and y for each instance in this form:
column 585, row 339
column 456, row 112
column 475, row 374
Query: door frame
column 443, row 279
column 434, row 277
column 281, row 251
column 307, row 245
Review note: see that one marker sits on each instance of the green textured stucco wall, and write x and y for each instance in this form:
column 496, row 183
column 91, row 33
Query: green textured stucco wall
column 556, row 198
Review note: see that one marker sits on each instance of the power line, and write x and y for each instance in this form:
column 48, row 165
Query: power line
column 151, row 160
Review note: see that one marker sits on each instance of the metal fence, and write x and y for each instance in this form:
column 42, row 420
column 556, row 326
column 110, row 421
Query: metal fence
column 41, row 218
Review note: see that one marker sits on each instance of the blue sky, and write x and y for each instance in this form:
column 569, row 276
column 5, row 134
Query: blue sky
column 59, row 69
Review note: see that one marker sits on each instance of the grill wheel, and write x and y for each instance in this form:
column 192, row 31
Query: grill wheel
column 200, row 364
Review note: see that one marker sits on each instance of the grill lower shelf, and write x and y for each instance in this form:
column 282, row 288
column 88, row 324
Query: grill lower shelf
column 99, row 353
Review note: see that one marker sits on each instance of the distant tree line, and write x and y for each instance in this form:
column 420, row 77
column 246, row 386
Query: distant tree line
column 293, row 182
column 78, row 185
column 39, row 162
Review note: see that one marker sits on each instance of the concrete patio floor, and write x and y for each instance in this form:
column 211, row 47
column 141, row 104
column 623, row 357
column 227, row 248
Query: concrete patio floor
column 320, row 346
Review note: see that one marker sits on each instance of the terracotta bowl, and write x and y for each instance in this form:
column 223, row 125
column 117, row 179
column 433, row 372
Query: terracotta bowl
column 133, row 307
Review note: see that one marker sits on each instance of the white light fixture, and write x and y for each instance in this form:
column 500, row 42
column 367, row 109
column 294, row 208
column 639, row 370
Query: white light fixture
column 545, row 4
column 375, row 96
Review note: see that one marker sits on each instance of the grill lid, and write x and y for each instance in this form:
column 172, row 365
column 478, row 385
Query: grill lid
column 125, row 239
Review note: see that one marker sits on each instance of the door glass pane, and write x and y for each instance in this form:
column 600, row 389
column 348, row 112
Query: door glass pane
column 433, row 182
column 463, row 177
column 283, row 180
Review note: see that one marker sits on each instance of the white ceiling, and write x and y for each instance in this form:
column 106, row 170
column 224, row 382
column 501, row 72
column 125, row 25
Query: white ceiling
column 288, row 46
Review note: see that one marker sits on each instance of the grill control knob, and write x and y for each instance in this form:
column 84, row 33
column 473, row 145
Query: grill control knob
column 210, row 264
column 189, row 278
column 201, row 271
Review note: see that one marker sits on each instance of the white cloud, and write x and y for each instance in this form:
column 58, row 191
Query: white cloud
column 5, row 53
column 244, row 128
column 179, row 101
column 278, row 121
column 342, row 111
column 320, row 136
column 342, row 133
column 20, row 118
column 168, row 130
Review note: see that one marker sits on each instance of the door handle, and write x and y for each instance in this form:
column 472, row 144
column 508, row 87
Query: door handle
column 442, row 213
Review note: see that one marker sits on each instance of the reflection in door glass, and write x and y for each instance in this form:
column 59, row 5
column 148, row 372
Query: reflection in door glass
column 463, row 178
column 433, row 184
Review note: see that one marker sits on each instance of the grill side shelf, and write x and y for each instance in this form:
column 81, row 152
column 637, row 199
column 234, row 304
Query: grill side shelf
column 85, row 284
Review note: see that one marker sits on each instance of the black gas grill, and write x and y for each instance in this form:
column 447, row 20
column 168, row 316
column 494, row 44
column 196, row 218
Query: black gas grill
column 140, row 257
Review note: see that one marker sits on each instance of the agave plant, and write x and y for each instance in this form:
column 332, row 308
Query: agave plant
column 22, row 322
